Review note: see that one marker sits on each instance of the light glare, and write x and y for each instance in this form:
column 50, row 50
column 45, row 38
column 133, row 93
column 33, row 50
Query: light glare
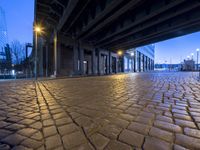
column 38, row 29
column 120, row 53
column 132, row 54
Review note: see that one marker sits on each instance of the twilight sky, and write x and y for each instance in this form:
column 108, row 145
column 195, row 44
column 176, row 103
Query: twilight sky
column 20, row 14
column 19, row 17
column 178, row 48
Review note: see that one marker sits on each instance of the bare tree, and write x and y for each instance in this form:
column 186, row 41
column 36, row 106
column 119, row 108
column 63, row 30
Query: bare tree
column 18, row 52
column 23, row 52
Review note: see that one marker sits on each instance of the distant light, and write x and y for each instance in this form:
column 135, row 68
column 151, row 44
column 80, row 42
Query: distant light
column 119, row 52
column 132, row 54
column 197, row 49
column 13, row 72
column 192, row 54
column 85, row 62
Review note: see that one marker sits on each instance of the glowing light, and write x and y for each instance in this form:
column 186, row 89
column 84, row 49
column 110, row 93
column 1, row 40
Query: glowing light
column 197, row 49
column 119, row 52
column 38, row 29
column 192, row 54
column 132, row 54
column 13, row 72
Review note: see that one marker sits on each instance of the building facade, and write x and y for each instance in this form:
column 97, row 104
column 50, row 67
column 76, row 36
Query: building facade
column 188, row 65
column 3, row 33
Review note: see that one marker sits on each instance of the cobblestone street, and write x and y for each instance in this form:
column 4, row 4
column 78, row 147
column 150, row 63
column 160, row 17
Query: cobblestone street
column 150, row 111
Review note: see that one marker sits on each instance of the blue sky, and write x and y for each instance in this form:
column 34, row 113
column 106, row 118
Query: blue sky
column 19, row 17
column 177, row 49
column 20, row 14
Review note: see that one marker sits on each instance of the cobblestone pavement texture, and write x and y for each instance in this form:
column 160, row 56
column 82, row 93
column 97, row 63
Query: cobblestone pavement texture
column 150, row 111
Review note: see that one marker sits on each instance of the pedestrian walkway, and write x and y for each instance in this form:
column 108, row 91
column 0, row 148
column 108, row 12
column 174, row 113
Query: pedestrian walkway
column 150, row 111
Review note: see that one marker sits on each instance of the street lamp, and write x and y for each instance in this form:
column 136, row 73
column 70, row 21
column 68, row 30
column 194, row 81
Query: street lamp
column 192, row 54
column 119, row 53
column 132, row 61
column 132, row 54
column 37, row 30
column 197, row 59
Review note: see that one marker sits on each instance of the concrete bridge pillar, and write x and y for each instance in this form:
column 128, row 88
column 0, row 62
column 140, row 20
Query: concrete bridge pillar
column 99, row 62
column 139, row 61
column 46, row 59
column 152, row 64
column 94, row 65
column 116, row 65
column 132, row 64
column 110, row 62
column 128, row 64
column 57, row 53
column 135, row 61
column 40, row 57
column 149, row 65
column 121, row 64
column 145, row 63
column 81, row 53
column 75, row 59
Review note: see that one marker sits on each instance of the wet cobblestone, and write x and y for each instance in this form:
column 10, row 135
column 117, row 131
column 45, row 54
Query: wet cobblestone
column 120, row 112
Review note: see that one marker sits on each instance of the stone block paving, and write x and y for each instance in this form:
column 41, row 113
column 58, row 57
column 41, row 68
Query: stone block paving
column 146, row 111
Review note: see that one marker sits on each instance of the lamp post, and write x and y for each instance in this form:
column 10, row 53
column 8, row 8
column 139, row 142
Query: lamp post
column 192, row 54
column 198, row 61
column 132, row 61
column 120, row 53
column 132, row 54
column 37, row 31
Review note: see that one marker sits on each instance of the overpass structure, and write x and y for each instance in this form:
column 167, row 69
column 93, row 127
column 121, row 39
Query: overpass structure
column 83, row 36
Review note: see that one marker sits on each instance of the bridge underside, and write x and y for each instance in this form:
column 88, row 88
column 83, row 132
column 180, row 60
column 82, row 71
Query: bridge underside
column 114, row 24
